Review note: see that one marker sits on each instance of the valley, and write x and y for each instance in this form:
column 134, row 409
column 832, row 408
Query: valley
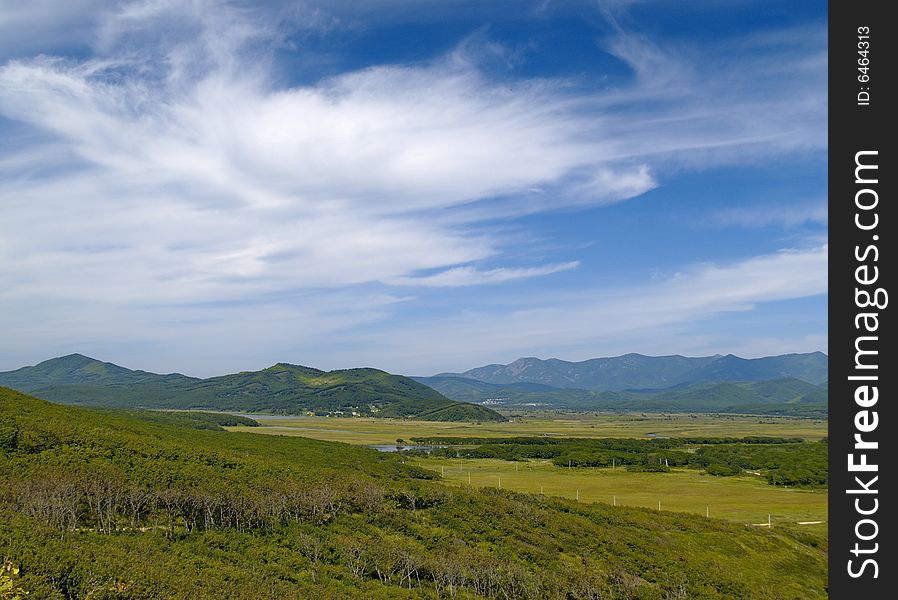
column 743, row 499
column 275, row 480
column 368, row 431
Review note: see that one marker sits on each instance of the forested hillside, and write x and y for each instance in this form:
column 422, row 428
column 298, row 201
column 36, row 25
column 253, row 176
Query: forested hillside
column 112, row 505
column 282, row 388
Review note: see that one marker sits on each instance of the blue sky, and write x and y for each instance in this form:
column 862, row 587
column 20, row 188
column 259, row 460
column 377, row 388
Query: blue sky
column 207, row 186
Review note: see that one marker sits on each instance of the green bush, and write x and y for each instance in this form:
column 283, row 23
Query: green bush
column 111, row 505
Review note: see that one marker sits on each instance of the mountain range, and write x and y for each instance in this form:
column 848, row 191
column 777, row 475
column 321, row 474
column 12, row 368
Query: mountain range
column 790, row 384
column 281, row 388
column 637, row 371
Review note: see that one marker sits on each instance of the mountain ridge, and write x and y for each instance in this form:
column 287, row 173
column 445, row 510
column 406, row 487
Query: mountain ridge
column 790, row 396
column 281, row 388
column 639, row 371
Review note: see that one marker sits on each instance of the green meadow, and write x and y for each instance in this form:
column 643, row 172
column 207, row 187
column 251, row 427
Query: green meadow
column 744, row 499
column 369, row 431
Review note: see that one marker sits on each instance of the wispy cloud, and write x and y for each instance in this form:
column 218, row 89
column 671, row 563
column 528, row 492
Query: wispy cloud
column 28, row 28
column 656, row 317
column 167, row 164
column 783, row 214
column 464, row 276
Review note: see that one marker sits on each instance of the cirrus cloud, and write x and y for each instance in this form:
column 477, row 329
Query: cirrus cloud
column 171, row 167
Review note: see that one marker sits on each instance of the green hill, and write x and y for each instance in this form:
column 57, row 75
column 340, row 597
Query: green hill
column 282, row 388
column 472, row 390
column 781, row 396
column 105, row 504
column 77, row 369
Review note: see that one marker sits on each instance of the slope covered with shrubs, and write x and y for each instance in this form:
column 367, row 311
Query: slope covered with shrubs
column 107, row 505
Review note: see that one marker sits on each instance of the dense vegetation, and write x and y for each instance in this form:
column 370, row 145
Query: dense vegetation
column 792, row 397
column 782, row 461
column 113, row 505
column 282, row 388
column 192, row 419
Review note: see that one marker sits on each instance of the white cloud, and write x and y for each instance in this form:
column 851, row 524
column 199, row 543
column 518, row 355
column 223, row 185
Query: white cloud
column 230, row 187
column 30, row 27
column 336, row 329
column 660, row 317
column 173, row 170
column 611, row 186
column 782, row 214
column 463, row 276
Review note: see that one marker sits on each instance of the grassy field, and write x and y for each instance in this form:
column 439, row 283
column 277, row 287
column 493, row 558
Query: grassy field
column 745, row 499
column 369, row 431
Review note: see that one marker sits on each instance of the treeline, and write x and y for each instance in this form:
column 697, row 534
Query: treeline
column 804, row 465
column 103, row 502
column 194, row 419
column 783, row 461
column 669, row 442
column 103, row 505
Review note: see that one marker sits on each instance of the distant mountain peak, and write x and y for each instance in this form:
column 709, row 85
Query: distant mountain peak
column 283, row 366
column 75, row 357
